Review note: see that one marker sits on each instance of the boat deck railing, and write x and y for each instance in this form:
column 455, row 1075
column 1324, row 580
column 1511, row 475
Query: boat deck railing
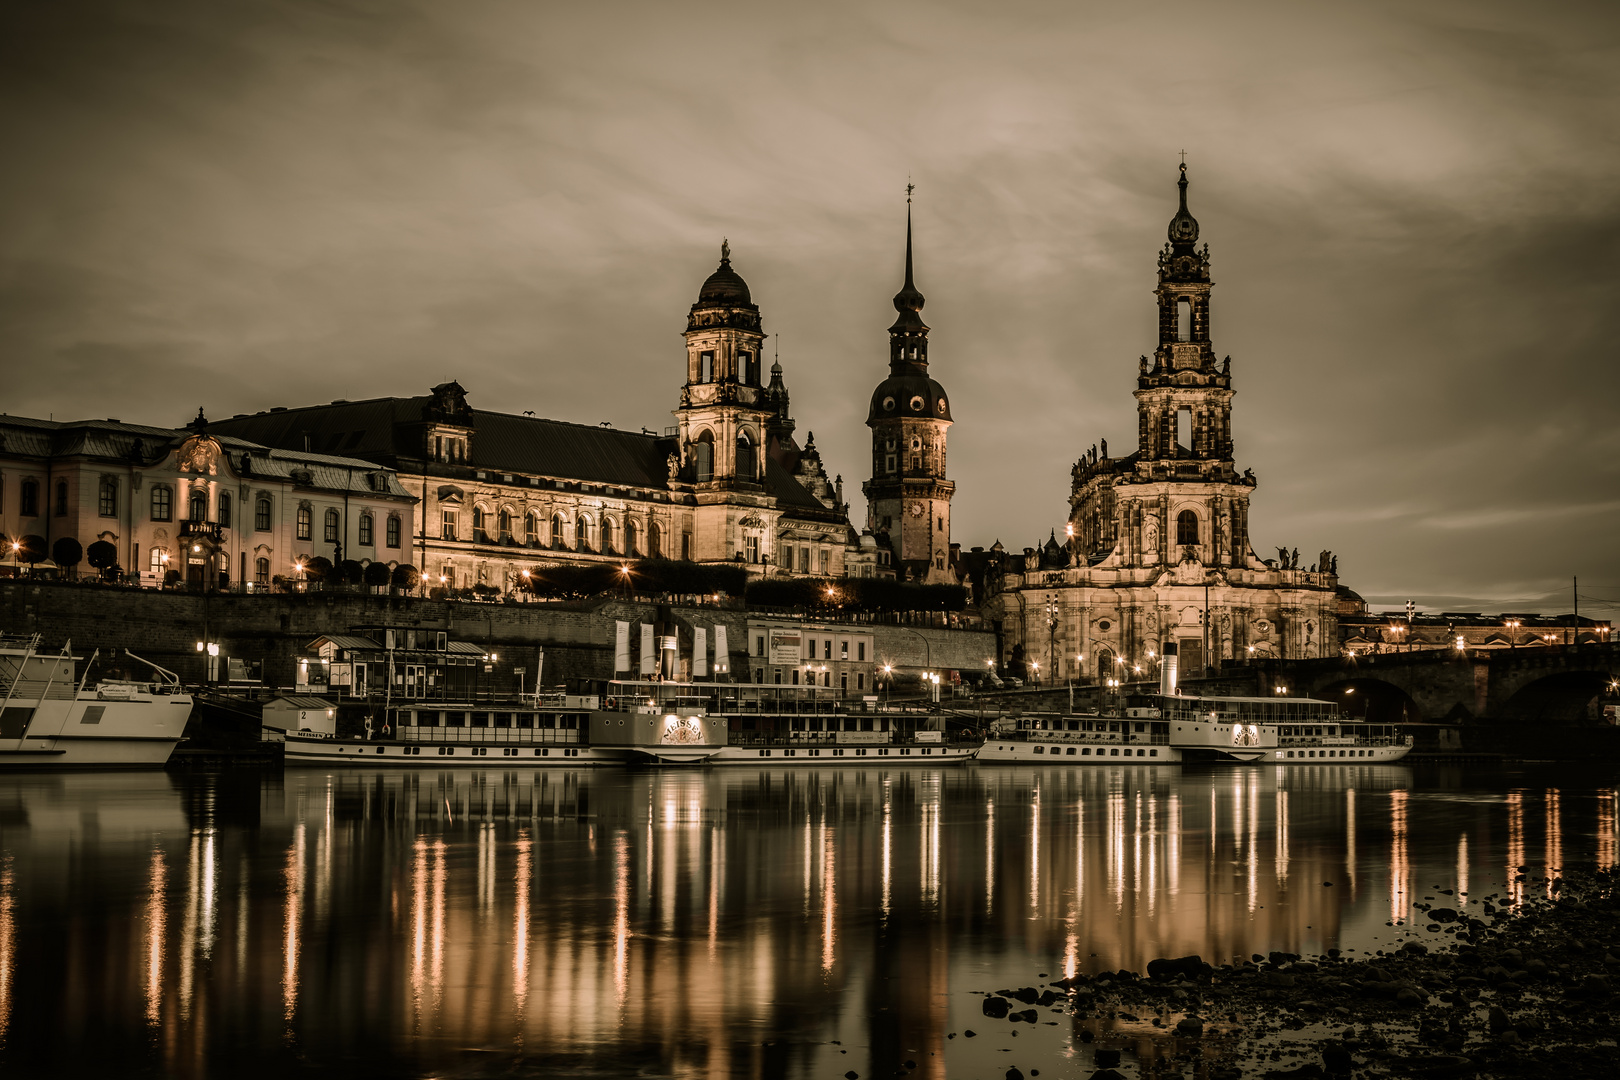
column 1081, row 738
column 510, row 736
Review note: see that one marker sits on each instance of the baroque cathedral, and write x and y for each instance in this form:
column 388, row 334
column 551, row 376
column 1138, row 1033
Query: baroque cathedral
column 1157, row 542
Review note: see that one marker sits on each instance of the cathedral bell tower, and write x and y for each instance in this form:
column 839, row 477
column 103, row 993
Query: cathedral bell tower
column 1177, row 500
column 908, row 497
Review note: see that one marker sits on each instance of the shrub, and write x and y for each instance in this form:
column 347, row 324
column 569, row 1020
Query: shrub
column 318, row 569
column 66, row 553
column 350, row 572
column 378, row 574
column 102, row 556
column 406, row 577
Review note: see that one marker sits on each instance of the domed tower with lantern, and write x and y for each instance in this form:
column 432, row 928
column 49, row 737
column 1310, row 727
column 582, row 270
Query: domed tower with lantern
column 908, row 497
column 724, row 419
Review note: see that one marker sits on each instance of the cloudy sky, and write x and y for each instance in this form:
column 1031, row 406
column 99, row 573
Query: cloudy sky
column 1412, row 210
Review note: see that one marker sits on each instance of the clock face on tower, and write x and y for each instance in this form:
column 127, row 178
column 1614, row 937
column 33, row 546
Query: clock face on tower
column 916, row 510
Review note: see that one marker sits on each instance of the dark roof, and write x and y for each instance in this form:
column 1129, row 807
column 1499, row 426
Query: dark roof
column 384, row 430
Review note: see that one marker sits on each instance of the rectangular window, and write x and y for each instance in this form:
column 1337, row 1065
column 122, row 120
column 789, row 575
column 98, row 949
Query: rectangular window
column 751, row 548
column 804, row 559
column 393, row 532
column 108, row 503
column 331, row 527
column 306, row 522
column 860, row 650
column 447, row 525
column 916, row 461
column 162, row 504
column 843, row 649
column 826, row 562
column 705, row 367
column 826, row 649
column 223, row 512
column 261, row 515
column 29, row 507
column 888, row 463
column 365, row 530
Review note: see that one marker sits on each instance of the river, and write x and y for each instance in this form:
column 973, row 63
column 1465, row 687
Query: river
column 727, row 922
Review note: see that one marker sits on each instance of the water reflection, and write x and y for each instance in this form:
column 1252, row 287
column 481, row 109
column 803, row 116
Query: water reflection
column 717, row 923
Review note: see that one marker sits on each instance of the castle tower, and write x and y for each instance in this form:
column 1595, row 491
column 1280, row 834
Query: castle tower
column 908, row 497
column 724, row 420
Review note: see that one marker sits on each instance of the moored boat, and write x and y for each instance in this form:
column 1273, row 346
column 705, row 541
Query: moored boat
column 51, row 718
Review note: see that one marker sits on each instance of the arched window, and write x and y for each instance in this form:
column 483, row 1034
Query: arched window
column 703, row 451
column 582, row 533
column 109, row 497
column 531, row 527
column 162, row 503
column 705, row 367
column 223, row 514
column 366, row 537
column 199, row 505
column 1186, row 527
column 654, row 540
column 1183, row 319
column 504, row 522
column 331, row 526
column 557, row 540
column 393, row 531
column 261, row 515
column 306, row 522
column 630, row 537
column 607, row 536
column 261, row 571
column 480, row 523
column 61, row 498
column 745, row 457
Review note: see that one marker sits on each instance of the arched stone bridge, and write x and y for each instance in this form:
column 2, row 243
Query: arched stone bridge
column 1547, row 684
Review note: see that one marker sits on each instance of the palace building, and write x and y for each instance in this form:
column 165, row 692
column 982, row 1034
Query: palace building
column 213, row 509
column 1158, row 546
column 500, row 493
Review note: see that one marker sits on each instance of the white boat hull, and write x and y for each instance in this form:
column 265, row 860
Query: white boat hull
column 1019, row 752
column 777, row 753
column 306, row 750
column 86, row 731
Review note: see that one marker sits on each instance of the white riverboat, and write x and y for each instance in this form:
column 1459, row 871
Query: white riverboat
column 1171, row 729
column 1275, row 731
column 51, row 718
column 1139, row 738
column 643, row 722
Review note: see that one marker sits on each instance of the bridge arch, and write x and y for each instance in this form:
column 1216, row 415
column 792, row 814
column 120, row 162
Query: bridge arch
column 1375, row 700
column 1560, row 697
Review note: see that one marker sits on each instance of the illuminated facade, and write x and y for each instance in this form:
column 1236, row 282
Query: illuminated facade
column 1158, row 543
column 209, row 507
column 501, row 493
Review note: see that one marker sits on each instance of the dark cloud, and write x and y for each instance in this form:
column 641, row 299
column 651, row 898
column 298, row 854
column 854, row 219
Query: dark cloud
column 1410, row 207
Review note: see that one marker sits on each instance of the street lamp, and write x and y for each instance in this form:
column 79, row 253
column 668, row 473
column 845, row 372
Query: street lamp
column 1051, row 632
column 1513, row 633
column 1279, row 690
column 1035, row 668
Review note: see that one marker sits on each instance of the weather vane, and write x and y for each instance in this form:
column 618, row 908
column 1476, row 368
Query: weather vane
column 910, row 187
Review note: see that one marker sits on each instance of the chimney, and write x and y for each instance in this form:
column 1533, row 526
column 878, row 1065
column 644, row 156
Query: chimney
column 1167, row 670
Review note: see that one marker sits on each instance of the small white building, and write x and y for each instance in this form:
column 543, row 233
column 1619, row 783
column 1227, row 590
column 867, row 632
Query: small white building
column 298, row 712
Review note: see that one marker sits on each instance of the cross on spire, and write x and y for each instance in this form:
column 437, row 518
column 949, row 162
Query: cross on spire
column 910, row 187
column 1184, row 157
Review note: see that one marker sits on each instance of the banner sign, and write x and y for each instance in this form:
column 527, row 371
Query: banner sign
column 621, row 647
column 649, row 663
column 700, row 651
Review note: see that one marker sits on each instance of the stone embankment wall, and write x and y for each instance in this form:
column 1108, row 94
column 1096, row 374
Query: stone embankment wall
column 577, row 637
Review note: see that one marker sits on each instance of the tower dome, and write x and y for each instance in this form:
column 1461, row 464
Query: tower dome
column 725, row 286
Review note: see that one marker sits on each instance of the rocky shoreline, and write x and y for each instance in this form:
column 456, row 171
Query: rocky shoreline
column 1506, row 990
